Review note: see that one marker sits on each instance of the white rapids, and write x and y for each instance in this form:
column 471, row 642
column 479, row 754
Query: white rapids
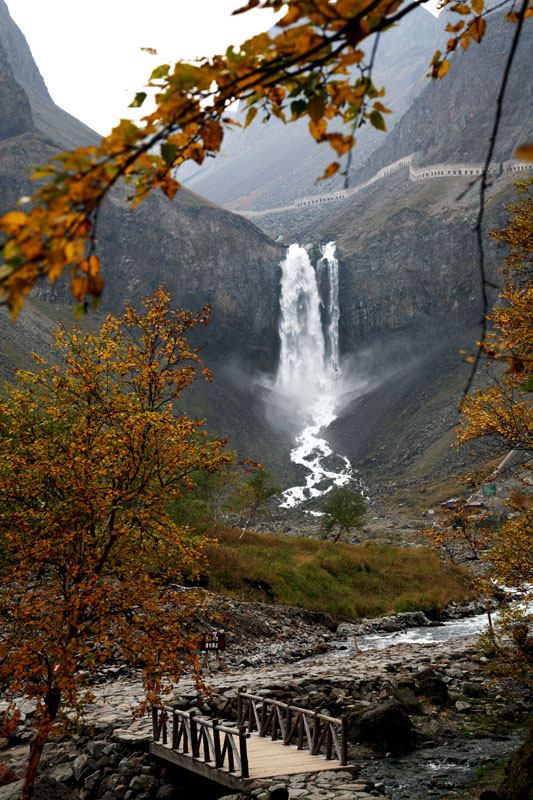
column 309, row 378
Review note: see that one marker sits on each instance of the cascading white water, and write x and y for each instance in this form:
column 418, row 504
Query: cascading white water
column 309, row 376
column 302, row 372
column 332, row 265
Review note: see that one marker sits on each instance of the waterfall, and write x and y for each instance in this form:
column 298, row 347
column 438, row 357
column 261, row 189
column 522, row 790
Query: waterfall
column 328, row 258
column 309, row 377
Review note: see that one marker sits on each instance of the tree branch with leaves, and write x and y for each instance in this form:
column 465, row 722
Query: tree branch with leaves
column 92, row 453
column 313, row 66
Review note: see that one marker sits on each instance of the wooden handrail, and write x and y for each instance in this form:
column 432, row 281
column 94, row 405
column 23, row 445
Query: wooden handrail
column 268, row 715
column 210, row 741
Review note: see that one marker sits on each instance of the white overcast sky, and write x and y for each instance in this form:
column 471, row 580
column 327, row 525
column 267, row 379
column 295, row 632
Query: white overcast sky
column 89, row 53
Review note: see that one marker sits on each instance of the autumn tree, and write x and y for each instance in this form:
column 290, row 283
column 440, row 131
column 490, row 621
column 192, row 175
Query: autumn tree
column 92, row 452
column 253, row 493
column 504, row 410
column 343, row 509
column 316, row 65
column 462, row 533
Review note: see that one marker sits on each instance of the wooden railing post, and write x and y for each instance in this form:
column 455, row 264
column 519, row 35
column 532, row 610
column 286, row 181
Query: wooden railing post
column 239, row 708
column 216, row 742
column 243, row 751
column 288, row 723
column 344, row 741
column 163, row 719
column 300, row 731
column 263, row 718
column 155, row 725
column 194, row 735
column 329, row 742
column 175, row 726
column 316, row 734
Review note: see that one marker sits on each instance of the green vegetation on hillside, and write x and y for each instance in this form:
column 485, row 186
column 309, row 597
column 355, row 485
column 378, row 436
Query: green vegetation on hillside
column 344, row 580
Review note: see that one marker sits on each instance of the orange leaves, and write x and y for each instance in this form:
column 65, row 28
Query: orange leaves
column 315, row 67
column 341, row 144
column 525, row 152
column 443, row 68
column 90, row 455
column 212, row 133
column 477, row 28
column 13, row 221
column 330, row 170
column 318, row 129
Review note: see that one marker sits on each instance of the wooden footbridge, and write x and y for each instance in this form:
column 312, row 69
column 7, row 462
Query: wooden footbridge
column 270, row 738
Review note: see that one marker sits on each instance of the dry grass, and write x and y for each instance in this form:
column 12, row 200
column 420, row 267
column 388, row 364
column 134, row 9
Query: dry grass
column 348, row 581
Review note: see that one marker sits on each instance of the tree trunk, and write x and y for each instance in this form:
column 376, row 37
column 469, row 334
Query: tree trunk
column 51, row 701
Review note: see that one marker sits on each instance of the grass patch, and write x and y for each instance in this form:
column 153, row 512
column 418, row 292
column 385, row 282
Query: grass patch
column 348, row 581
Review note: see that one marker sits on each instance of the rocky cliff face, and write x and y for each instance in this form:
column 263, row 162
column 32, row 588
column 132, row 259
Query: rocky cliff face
column 16, row 117
column 451, row 119
column 202, row 252
column 271, row 164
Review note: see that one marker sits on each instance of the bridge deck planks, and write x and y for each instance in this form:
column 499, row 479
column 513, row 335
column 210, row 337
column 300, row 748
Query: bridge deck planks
column 266, row 759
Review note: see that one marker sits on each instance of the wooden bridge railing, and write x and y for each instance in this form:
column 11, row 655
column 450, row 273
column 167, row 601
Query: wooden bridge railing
column 205, row 739
column 310, row 730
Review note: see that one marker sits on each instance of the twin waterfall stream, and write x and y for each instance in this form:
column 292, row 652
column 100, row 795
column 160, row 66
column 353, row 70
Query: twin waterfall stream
column 310, row 380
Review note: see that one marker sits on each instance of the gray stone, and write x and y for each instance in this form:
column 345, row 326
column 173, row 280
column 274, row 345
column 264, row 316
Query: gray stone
column 462, row 707
column 63, row 773
column 90, row 781
column 79, row 766
column 143, row 783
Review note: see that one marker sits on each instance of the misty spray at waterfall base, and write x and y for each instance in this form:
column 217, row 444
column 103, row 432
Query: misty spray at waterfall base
column 310, row 387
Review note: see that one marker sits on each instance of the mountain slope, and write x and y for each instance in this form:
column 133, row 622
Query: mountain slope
column 202, row 252
column 269, row 165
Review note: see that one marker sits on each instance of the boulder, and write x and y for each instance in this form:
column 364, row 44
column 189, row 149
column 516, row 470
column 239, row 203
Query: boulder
column 518, row 782
column 44, row 789
column 432, row 687
column 7, row 775
column 386, row 728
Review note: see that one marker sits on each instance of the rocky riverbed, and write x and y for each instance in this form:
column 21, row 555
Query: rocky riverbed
column 422, row 717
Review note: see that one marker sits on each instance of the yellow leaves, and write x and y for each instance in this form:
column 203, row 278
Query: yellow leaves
column 11, row 222
column 443, row 68
column 318, row 129
column 250, row 116
column 460, row 8
column 293, row 15
column 330, row 171
column 303, row 66
column 341, row 144
column 276, row 95
column 355, row 57
column 455, row 28
column 74, row 250
column 477, row 29
column 195, row 152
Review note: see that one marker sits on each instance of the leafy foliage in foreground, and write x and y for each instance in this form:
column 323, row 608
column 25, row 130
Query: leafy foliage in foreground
column 504, row 411
column 344, row 580
column 91, row 453
column 313, row 67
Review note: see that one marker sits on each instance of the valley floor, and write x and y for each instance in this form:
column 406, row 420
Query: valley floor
column 460, row 718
